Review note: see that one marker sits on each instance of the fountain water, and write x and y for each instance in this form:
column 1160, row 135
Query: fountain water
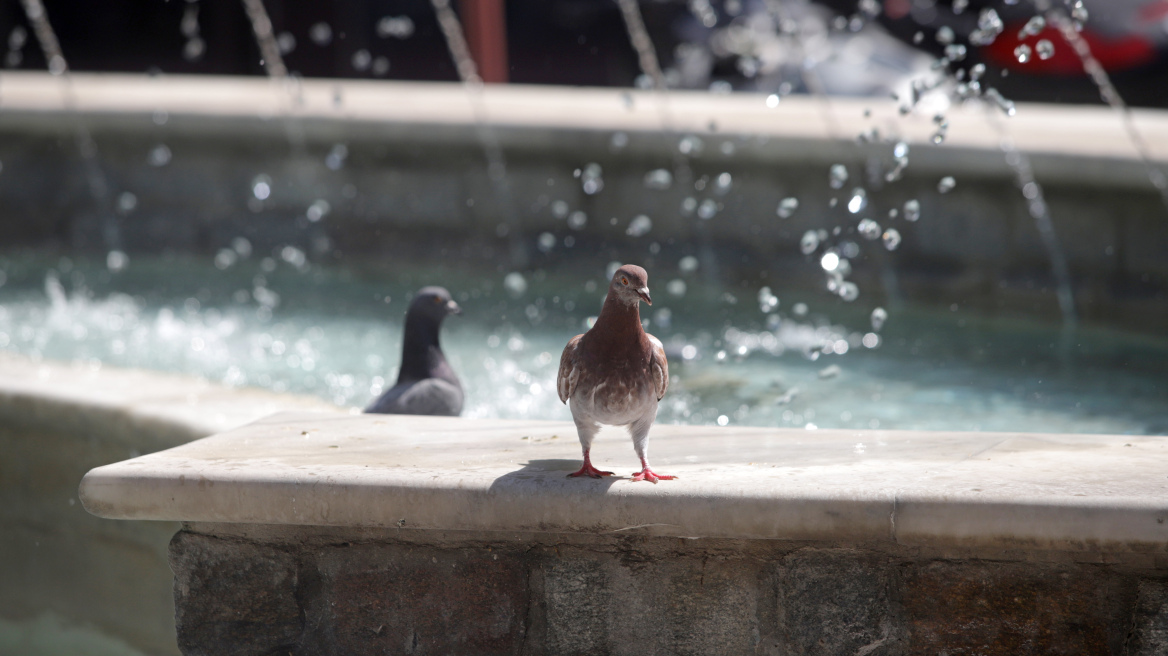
column 1067, row 26
column 96, row 180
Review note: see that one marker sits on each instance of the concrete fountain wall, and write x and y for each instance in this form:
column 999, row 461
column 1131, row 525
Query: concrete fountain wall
column 415, row 163
column 111, row 579
column 335, row 534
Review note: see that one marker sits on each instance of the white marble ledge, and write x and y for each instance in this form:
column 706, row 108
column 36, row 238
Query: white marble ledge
column 1036, row 128
column 1078, row 492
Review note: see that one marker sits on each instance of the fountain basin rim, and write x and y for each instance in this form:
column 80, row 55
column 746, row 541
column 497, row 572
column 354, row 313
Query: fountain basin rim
column 1065, row 492
column 1086, row 143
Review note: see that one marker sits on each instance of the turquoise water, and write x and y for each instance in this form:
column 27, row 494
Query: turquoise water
column 334, row 331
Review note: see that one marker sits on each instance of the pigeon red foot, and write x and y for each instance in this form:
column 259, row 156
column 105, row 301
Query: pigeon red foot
column 647, row 474
column 616, row 373
column 589, row 470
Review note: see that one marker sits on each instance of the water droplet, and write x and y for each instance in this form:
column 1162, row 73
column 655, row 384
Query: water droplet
column 871, row 340
column 1079, row 11
column 955, row 52
column 891, row 239
column 848, row 291
column 879, row 316
column 639, row 226
column 116, row 261
column 830, row 261
column 767, row 301
column 690, row 145
column 241, row 246
column 859, row 200
column 515, row 284
column 127, row 201
column 946, row 184
column 336, row 157
column 809, row 242
column 619, row 140
column 546, row 242
column 591, row 180
column 912, row 210
column 960, row 6
column 938, row 137
column 225, row 258
column 688, row 264
column 868, row 229
column 658, row 179
column 722, row 184
column 900, row 150
column 977, row 71
column 676, row 287
column 945, row 35
column 398, row 27
column 1022, row 53
column 787, row 207
column 321, row 34
column 989, row 26
column 772, row 100
column 286, row 42
column 159, row 155
column 1045, row 49
column 1033, row 26
column 688, row 206
column 560, row 209
column 837, row 176
column 194, row 48
column 577, row 220
column 261, row 187
column 708, row 209
column 318, row 210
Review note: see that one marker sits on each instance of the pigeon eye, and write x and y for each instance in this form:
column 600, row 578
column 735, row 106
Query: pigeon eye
column 624, row 281
column 437, row 300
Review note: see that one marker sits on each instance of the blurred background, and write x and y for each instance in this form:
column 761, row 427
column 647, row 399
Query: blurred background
column 864, row 215
column 584, row 42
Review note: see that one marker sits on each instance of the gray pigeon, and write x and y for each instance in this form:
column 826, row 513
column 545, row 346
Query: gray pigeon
column 615, row 373
column 426, row 384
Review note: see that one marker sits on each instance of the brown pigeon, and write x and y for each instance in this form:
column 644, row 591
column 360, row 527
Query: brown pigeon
column 615, row 373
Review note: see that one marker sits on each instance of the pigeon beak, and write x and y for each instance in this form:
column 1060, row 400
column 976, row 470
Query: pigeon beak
column 644, row 294
column 452, row 307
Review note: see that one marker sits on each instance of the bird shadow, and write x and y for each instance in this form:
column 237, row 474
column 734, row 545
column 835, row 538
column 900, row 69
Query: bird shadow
column 552, row 471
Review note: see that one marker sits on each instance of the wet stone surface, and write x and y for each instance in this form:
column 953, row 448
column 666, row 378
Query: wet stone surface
column 306, row 590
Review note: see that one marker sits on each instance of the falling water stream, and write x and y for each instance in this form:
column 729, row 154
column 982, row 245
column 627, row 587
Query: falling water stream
column 95, row 177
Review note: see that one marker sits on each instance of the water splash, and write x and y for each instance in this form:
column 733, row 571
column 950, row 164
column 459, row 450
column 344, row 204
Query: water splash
column 473, row 84
column 1066, row 25
column 95, row 177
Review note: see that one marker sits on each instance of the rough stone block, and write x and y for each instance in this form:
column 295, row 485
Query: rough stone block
column 1007, row 608
column 636, row 603
column 396, row 599
column 835, row 601
column 233, row 598
column 1150, row 625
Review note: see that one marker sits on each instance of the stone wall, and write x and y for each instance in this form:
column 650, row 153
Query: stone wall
column 312, row 590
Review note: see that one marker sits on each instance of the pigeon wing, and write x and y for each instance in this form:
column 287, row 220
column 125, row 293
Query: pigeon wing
column 432, row 396
column 569, row 374
column 659, row 366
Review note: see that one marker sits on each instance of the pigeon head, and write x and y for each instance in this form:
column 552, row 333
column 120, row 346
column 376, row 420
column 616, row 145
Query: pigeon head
column 630, row 284
column 433, row 303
